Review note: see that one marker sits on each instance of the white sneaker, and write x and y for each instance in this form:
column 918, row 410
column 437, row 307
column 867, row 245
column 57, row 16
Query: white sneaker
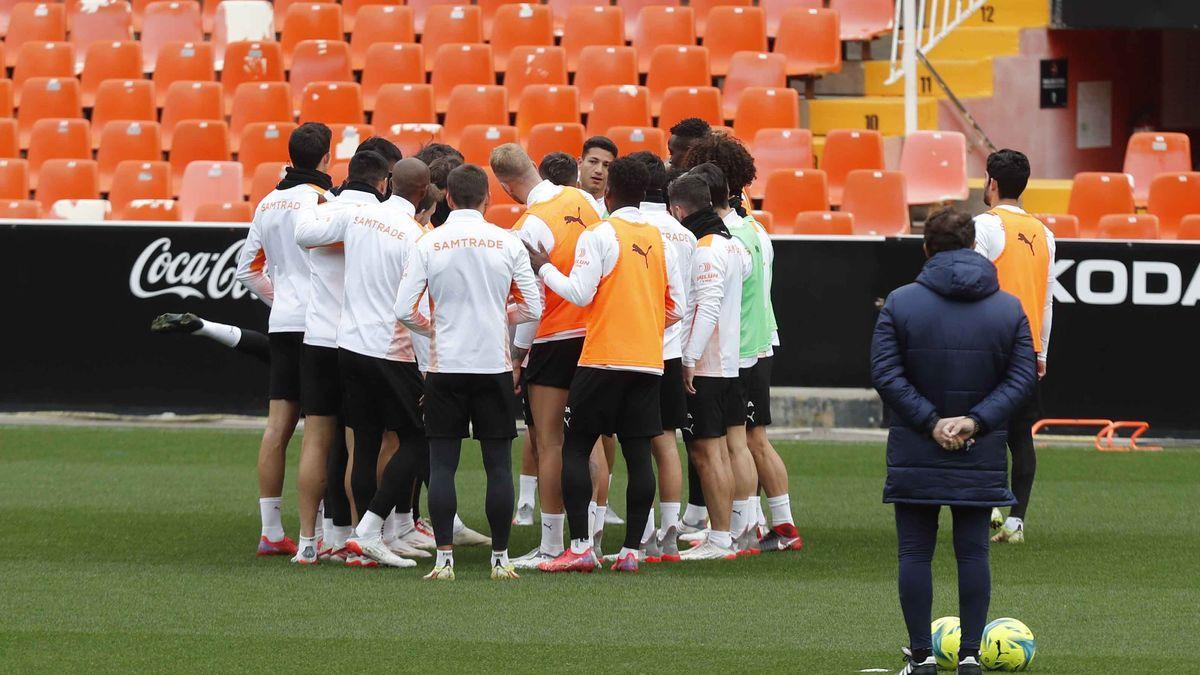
column 668, row 543
column 531, row 560
column 415, row 538
column 306, row 556
column 709, row 551
column 614, row 557
column 611, row 517
column 997, row 519
column 376, row 550
column 524, row 515
column 747, row 544
column 465, row 536
column 597, row 538
column 692, row 528
column 649, row 551
column 693, row 538
column 402, row 549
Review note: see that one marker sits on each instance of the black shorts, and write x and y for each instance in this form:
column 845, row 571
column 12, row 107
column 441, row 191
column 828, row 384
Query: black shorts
column 716, row 406
column 483, row 404
column 382, row 394
column 320, row 381
column 552, row 364
column 285, row 365
column 607, row 402
column 672, row 396
column 756, row 388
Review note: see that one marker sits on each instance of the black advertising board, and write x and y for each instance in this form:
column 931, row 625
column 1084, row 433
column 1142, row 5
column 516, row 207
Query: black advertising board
column 80, row 300
column 1123, row 14
column 1053, row 83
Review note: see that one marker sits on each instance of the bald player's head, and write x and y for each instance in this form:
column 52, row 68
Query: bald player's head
column 410, row 179
column 514, row 171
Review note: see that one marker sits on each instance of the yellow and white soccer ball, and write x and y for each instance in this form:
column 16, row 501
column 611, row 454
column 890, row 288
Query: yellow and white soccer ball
column 1008, row 645
column 947, row 635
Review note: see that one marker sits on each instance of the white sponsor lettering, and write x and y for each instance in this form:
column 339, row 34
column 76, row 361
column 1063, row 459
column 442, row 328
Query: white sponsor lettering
column 1121, row 282
column 187, row 275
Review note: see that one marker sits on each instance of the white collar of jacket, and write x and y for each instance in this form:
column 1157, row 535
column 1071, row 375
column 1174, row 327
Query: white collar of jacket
column 732, row 220
column 406, row 207
column 357, row 197
column 464, row 217
column 651, row 207
column 629, row 214
column 543, row 191
column 1014, row 209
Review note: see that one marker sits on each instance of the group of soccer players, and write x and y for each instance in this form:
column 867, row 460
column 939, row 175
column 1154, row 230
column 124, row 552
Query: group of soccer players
column 630, row 301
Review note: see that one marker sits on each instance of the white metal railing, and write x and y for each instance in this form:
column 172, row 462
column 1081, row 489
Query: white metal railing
column 920, row 25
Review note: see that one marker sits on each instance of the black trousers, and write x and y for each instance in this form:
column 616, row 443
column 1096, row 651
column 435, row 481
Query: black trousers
column 577, row 484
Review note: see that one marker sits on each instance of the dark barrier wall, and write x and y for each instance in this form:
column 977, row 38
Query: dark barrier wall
column 81, row 299
column 1157, row 14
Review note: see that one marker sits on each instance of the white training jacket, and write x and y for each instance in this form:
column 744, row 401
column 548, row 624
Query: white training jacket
column 683, row 243
column 328, row 265
column 378, row 238
column 469, row 269
column 271, row 265
column 713, row 345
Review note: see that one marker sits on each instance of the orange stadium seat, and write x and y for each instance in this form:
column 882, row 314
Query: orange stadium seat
column 420, row 10
column 488, row 9
column 743, row 29
column 811, row 41
column 1189, row 228
column 346, row 139
column 675, row 66
column 502, row 215
column 560, row 9
column 123, row 141
column 619, row 106
column 391, row 63
column 190, row 101
column 410, row 138
column 126, row 100
column 751, row 69
column 847, row 150
column 774, row 10
column 353, row 10
column 310, row 21
column 1172, row 197
column 14, row 179
column 1120, row 226
column 258, row 102
column 245, row 21
column 788, row 192
column 601, row 65
column 1150, row 153
column 404, row 104
column 1096, row 194
column 67, row 179
column 9, row 147
column 168, row 21
column 266, row 177
column 683, row 102
column 91, row 22
column 47, row 97
column 1063, row 226
column 225, row 212
column 450, row 24
column 821, row 223
column 544, row 139
column 703, row 9
column 864, row 19
column 457, row 64
column 547, row 104
column 197, row 140
column 934, row 164
column 766, row 108
column 631, row 9
column 775, row 149
column 34, row 22
column 474, row 104
column 381, row 24
column 43, row 59
column 280, row 9
column 877, row 201
column 208, row 182
column 659, row 25
column 250, row 62
column 109, row 61
column 533, row 65
column 157, row 210
column 478, row 140
column 520, row 25
column 6, row 99
column 332, row 103
column 20, row 209
column 764, row 218
column 319, row 61
column 591, row 25
column 631, row 139
column 498, row 195
column 260, row 143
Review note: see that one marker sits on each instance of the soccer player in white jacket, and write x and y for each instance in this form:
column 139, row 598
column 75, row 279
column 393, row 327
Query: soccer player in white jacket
column 470, row 269
column 275, row 269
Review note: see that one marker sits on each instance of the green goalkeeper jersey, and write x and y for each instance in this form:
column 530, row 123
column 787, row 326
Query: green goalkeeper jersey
column 758, row 316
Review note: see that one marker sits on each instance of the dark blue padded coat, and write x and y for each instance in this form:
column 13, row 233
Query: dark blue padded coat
column 951, row 344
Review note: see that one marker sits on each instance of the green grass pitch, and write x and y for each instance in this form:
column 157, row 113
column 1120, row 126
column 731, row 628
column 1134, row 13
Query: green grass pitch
column 132, row 550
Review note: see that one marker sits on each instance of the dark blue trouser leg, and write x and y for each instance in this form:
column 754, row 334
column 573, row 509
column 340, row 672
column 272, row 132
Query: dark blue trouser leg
column 916, row 530
column 974, row 574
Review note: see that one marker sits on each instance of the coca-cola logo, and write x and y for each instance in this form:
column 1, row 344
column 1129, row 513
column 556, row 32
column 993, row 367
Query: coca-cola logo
column 158, row 271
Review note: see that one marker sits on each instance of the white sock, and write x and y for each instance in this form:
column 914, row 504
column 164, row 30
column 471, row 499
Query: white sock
column 580, row 545
column 338, row 536
column 389, row 526
column 319, row 524
column 598, row 526
column 223, row 333
column 758, row 508
column 308, row 542
column 528, row 485
column 626, row 551
column 404, row 523
column 327, row 529
column 741, row 516
column 670, row 515
column 1011, row 523
column 369, row 527
column 781, row 510
column 272, row 523
column 444, row 557
column 649, row 530
column 695, row 515
column 592, row 517
column 552, row 532
column 721, row 539
column 500, row 558
column 458, row 523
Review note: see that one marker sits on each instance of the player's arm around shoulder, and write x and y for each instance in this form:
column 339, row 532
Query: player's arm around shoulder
column 526, row 292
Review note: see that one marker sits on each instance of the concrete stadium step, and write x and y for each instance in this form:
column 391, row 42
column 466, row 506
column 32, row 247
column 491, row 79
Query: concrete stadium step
column 967, row 79
column 1043, row 195
column 882, row 113
column 1011, row 13
column 968, row 43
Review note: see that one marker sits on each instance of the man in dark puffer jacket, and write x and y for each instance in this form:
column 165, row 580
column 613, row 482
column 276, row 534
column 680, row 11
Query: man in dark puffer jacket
column 952, row 357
